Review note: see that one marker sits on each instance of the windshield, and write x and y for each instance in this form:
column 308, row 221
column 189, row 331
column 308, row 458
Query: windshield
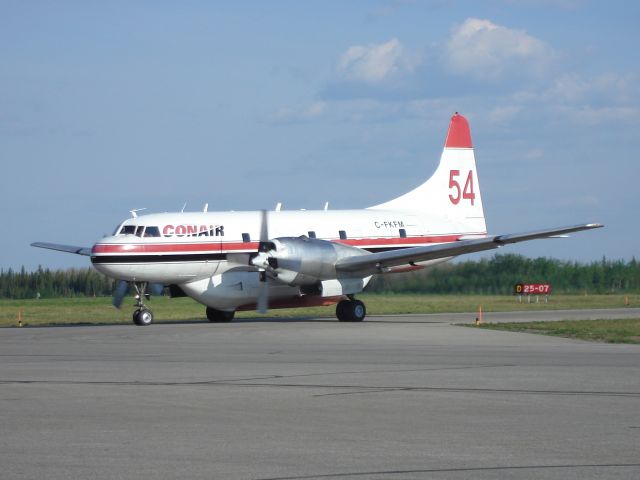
column 139, row 231
column 152, row 232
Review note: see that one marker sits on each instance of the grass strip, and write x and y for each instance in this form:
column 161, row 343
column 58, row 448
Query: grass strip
column 608, row 331
column 83, row 310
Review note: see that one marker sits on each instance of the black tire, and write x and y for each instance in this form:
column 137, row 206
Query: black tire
column 341, row 309
column 351, row 311
column 358, row 311
column 142, row 317
column 218, row 316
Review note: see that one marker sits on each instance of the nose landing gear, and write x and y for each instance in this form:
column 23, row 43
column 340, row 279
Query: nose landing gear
column 142, row 315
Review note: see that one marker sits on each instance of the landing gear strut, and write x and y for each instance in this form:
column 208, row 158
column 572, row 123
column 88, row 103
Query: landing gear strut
column 351, row 310
column 219, row 315
column 142, row 316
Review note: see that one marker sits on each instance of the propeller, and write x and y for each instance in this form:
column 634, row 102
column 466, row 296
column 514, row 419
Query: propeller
column 121, row 290
column 261, row 261
column 155, row 289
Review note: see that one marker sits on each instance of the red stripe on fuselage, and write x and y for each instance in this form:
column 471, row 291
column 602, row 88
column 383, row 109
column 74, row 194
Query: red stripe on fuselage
column 230, row 247
column 110, row 248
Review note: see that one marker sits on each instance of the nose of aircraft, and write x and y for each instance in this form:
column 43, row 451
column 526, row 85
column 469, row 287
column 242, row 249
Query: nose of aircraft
column 107, row 256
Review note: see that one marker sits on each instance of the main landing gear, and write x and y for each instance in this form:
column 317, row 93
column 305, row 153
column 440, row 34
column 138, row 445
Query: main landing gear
column 351, row 310
column 217, row 316
column 142, row 316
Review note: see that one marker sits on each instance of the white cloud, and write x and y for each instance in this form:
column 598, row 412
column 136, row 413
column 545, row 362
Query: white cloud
column 301, row 113
column 487, row 51
column 503, row 114
column 376, row 63
column 575, row 88
column 586, row 100
column 598, row 115
column 533, row 154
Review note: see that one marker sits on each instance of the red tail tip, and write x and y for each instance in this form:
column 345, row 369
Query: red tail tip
column 459, row 135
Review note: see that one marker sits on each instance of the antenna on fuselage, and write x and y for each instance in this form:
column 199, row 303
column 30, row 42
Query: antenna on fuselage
column 326, row 206
column 134, row 212
column 278, row 206
column 206, row 207
column 183, row 207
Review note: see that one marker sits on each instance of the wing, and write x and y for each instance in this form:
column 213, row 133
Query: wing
column 377, row 262
column 64, row 248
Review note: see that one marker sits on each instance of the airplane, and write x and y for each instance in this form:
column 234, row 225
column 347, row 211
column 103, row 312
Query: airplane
column 234, row 261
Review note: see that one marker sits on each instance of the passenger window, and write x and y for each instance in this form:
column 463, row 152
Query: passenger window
column 403, row 233
column 343, row 235
column 312, row 234
column 128, row 230
column 152, row 232
column 246, row 238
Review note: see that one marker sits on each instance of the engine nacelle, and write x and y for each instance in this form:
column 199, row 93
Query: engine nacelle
column 304, row 261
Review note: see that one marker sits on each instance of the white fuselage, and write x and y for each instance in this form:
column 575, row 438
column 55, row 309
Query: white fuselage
column 207, row 253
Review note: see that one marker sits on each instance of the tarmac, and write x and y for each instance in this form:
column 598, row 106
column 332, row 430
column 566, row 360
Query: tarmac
column 399, row 397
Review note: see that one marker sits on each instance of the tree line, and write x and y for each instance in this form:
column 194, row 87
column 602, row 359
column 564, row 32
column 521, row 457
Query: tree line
column 496, row 275
column 45, row 283
column 499, row 274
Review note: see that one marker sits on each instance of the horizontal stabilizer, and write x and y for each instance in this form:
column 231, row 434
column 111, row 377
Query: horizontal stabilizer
column 377, row 262
column 64, row 248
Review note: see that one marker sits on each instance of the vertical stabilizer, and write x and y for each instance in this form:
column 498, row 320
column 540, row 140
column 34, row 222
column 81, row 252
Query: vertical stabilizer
column 453, row 191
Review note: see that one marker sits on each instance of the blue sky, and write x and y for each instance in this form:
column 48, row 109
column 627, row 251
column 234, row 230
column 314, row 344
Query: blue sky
column 110, row 106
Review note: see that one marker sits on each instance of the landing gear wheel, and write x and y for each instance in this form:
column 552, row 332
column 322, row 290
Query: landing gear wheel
column 142, row 317
column 351, row 311
column 219, row 315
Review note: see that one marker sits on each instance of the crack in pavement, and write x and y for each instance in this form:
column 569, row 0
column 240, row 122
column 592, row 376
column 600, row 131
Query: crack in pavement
column 360, row 389
column 457, row 470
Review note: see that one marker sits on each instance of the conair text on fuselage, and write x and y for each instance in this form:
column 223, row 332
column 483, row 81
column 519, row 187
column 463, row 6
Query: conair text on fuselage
column 193, row 231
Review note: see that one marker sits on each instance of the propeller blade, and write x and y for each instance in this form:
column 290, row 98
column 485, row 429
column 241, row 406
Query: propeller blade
column 260, row 261
column 264, row 227
column 156, row 289
column 263, row 294
column 121, row 290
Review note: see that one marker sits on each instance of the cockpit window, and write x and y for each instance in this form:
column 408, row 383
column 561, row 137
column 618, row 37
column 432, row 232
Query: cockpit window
column 152, row 232
column 140, row 231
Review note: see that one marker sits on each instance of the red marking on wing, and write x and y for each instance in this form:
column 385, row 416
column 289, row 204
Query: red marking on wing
column 398, row 241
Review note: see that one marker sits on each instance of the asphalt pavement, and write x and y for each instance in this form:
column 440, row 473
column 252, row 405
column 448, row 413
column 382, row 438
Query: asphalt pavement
column 393, row 397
